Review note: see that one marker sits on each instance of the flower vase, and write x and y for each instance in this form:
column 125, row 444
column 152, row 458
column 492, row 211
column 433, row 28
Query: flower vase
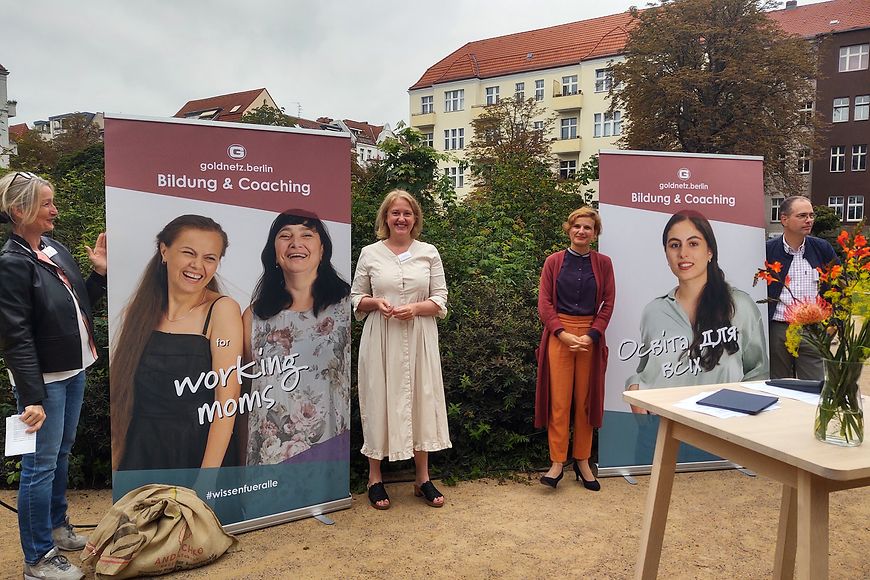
column 840, row 413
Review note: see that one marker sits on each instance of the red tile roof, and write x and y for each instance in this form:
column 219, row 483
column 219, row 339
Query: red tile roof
column 824, row 17
column 571, row 43
column 544, row 48
column 367, row 133
column 17, row 130
column 223, row 103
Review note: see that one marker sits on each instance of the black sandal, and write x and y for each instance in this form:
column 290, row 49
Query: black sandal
column 429, row 493
column 377, row 493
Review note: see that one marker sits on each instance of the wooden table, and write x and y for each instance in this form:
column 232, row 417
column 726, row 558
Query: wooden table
column 778, row 444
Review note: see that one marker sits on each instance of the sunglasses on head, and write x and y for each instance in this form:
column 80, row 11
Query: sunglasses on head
column 25, row 175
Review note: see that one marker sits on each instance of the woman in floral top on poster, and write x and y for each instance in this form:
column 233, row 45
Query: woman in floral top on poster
column 297, row 331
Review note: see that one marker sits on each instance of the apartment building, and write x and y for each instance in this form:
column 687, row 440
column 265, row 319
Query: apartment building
column 564, row 68
column 7, row 110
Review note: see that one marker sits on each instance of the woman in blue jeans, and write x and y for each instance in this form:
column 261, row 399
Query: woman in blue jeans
column 47, row 341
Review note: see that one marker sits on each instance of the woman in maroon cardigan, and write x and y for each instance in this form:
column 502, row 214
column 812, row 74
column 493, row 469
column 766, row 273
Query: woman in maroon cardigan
column 575, row 302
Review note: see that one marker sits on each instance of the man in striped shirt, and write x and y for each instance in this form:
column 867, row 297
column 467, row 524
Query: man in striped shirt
column 800, row 254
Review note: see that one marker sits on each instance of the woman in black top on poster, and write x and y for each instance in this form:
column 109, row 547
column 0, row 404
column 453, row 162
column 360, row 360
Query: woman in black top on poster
column 177, row 334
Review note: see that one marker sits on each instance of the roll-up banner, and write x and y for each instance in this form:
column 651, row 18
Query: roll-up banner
column 686, row 235
column 250, row 410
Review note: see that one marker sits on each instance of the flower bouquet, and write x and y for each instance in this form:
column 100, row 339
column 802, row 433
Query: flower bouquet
column 843, row 341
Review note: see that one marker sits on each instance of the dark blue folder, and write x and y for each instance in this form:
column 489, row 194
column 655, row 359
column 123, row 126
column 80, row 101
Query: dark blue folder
column 738, row 401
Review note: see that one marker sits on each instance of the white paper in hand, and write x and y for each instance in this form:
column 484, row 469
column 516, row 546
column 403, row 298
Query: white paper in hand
column 18, row 440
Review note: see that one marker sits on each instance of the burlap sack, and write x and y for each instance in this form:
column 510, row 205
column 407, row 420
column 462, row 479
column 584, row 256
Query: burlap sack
column 153, row 530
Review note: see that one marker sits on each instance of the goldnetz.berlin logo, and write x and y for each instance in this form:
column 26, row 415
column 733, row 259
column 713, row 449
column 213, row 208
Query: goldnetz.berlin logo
column 684, row 173
column 236, row 151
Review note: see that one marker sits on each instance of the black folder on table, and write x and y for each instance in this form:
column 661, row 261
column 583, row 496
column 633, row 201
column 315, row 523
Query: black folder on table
column 804, row 386
column 738, row 401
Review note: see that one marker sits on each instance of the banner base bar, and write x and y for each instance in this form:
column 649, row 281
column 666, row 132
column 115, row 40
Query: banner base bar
column 289, row 516
column 630, row 470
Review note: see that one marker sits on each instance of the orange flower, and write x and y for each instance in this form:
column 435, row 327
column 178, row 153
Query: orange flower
column 774, row 267
column 843, row 238
column 804, row 313
column 860, row 241
column 835, row 271
column 787, row 280
column 763, row 275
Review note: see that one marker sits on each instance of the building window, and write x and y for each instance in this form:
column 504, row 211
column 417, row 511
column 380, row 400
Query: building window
column 429, row 139
column 569, row 128
column 854, row 57
column 855, row 208
column 835, row 202
column 454, row 100
column 806, row 112
column 567, row 169
column 775, row 202
column 607, row 124
column 603, row 80
column 427, row 104
column 569, row 85
column 862, row 107
column 538, row 125
column 491, row 95
column 859, row 157
column 539, row 90
column 520, row 92
column 838, row 158
column 454, row 139
column 456, row 176
column 804, row 161
column 841, row 110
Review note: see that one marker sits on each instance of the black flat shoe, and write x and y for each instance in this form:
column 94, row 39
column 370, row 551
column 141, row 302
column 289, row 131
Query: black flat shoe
column 552, row 481
column 377, row 493
column 593, row 485
column 429, row 493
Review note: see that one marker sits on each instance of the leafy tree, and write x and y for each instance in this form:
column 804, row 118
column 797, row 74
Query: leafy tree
column 34, row 154
column 267, row 115
column 79, row 132
column 715, row 76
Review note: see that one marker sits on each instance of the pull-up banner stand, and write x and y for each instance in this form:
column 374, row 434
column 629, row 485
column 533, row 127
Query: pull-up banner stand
column 252, row 414
column 672, row 223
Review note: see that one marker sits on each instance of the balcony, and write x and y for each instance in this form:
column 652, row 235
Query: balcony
column 564, row 103
column 558, row 146
column 421, row 120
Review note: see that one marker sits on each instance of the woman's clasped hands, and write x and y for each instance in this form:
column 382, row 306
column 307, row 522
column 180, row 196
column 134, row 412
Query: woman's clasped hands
column 575, row 343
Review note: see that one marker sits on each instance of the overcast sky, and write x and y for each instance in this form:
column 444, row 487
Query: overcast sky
column 336, row 58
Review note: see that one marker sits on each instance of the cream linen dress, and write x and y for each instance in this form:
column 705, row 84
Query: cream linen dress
column 401, row 392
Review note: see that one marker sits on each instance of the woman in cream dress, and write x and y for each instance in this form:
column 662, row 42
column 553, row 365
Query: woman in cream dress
column 399, row 288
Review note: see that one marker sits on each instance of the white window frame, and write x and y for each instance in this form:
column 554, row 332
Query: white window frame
column 603, row 80
column 429, row 139
column 840, row 113
column 454, row 139
column 567, row 169
column 492, row 95
column 854, row 57
column 537, row 125
column 427, row 104
column 454, row 100
column 854, row 208
column 569, row 85
column 539, row 90
column 568, row 128
column 859, row 157
column 520, row 91
column 806, row 112
column 607, row 124
column 862, row 108
column 838, row 158
column 775, row 203
column 456, row 176
column 837, row 203
column 804, row 161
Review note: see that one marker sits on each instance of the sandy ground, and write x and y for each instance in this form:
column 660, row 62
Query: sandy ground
column 721, row 525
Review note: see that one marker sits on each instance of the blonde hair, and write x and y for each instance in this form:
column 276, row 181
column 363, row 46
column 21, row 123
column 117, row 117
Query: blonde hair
column 382, row 230
column 583, row 212
column 19, row 190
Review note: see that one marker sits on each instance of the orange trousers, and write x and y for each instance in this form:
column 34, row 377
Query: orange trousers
column 569, row 379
